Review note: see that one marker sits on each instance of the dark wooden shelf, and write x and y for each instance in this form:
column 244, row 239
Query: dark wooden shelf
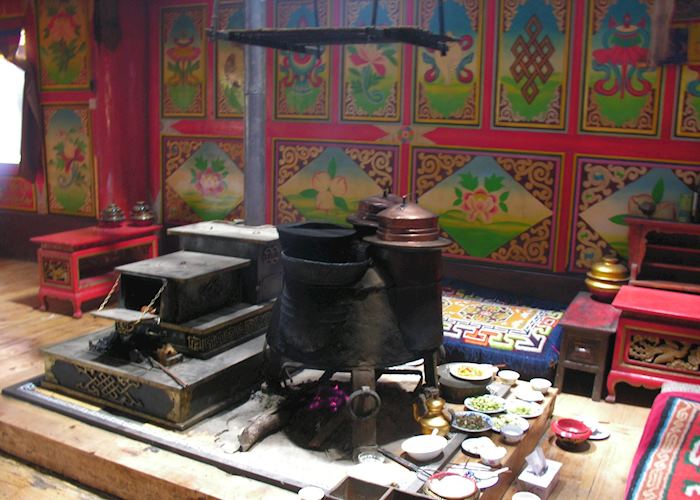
column 673, row 248
column 676, row 286
column 674, row 267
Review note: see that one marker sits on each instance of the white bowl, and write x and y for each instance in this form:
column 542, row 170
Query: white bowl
column 540, row 384
column 493, row 456
column 508, row 376
column 512, row 433
column 424, row 447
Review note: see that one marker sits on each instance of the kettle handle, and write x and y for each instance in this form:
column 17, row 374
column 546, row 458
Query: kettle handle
column 449, row 414
column 420, row 407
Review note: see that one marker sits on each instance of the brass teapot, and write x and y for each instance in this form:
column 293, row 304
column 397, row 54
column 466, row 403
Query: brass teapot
column 430, row 412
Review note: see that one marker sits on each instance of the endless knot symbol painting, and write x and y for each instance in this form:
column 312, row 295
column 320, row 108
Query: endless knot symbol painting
column 109, row 387
column 532, row 59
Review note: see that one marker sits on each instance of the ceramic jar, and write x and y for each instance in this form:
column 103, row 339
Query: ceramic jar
column 111, row 216
column 141, row 214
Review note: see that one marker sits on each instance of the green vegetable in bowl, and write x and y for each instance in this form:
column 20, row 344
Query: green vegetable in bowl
column 485, row 403
column 520, row 410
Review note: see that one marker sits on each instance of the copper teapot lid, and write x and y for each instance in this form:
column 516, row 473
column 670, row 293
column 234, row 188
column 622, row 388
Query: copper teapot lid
column 408, row 224
column 368, row 209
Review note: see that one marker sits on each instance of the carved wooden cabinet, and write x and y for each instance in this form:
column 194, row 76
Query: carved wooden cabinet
column 658, row 338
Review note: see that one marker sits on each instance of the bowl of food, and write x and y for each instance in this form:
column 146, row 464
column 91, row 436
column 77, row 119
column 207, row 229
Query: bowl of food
column 471, row 371
column 540, row 384
column 486, row 403
column 493, row 456
column 471, row 421
column 424, row 447
column 512, row 433
column 452, row 486
column 508, row 377
column 571, row 431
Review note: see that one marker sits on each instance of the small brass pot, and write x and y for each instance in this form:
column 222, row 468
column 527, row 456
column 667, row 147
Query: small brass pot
column 606, row 278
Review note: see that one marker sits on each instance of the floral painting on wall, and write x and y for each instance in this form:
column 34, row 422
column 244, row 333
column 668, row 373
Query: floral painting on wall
column 64, row 44
column 495, row 205
column 70, row 176
column 17, row 193
column 610, row 189
column 371, row 83
column 202, row 179
column 325, row 181
column 447, row 87
column 230, row 64
column 183, row 60
column 621, row 93
column 302, row 79
column 688, row 107
column 532, row 68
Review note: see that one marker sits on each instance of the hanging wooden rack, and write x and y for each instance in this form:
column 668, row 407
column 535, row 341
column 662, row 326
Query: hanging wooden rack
column 311, row 39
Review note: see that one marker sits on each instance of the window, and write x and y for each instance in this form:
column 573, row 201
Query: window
column 11, row 101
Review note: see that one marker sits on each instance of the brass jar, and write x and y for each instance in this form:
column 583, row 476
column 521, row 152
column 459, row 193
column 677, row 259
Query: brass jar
column 606, row 277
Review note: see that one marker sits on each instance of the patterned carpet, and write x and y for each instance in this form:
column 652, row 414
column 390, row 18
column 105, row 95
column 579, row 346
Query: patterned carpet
column 486, row 327
column 667, row 461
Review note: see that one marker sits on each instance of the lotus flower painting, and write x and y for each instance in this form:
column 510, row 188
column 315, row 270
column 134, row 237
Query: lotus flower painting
column 204, row 180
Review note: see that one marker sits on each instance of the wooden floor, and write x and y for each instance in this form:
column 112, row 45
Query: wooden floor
column 89, row 455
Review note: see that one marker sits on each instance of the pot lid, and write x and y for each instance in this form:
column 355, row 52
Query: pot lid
column 407, row 224
column 610, row 268
column 368, row 209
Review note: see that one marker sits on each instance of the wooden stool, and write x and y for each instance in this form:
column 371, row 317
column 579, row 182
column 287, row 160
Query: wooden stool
column 588, row 327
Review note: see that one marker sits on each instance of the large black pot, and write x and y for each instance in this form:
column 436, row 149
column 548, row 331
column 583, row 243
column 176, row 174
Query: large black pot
column 317, row 241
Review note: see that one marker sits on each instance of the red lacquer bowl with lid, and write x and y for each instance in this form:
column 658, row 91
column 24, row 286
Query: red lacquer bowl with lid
column 571, row 431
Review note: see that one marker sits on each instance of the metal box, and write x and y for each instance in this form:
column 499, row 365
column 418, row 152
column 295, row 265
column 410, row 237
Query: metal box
column 262, row 279
column 195, row 284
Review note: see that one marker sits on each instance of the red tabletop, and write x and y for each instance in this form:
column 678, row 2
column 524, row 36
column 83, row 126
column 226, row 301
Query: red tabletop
column 92, row 236
column 660, row 303
column 587, row 313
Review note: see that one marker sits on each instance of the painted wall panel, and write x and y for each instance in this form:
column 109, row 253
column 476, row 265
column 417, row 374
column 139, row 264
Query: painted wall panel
column 533, row 64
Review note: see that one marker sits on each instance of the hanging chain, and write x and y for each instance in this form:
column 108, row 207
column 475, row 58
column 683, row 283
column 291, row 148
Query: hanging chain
column 109, row 295
column 146, row 309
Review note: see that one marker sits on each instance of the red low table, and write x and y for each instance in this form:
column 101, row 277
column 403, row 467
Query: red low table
column 658, row 338
column 79, row 265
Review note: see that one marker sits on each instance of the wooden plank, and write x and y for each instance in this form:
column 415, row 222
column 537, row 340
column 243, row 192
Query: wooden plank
column 114, row 464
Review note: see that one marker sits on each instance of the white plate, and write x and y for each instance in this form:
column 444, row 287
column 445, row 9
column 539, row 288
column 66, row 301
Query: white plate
column 525, row 409
column 471, row 371
column 497, row 403
column 473, row 446
column 485, row 418
column 599, row 434
column 529, row 395
column 508, row 418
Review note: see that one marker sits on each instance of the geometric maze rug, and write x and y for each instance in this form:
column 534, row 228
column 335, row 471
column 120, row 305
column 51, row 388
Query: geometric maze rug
column 485, row 322
column 500, row 331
